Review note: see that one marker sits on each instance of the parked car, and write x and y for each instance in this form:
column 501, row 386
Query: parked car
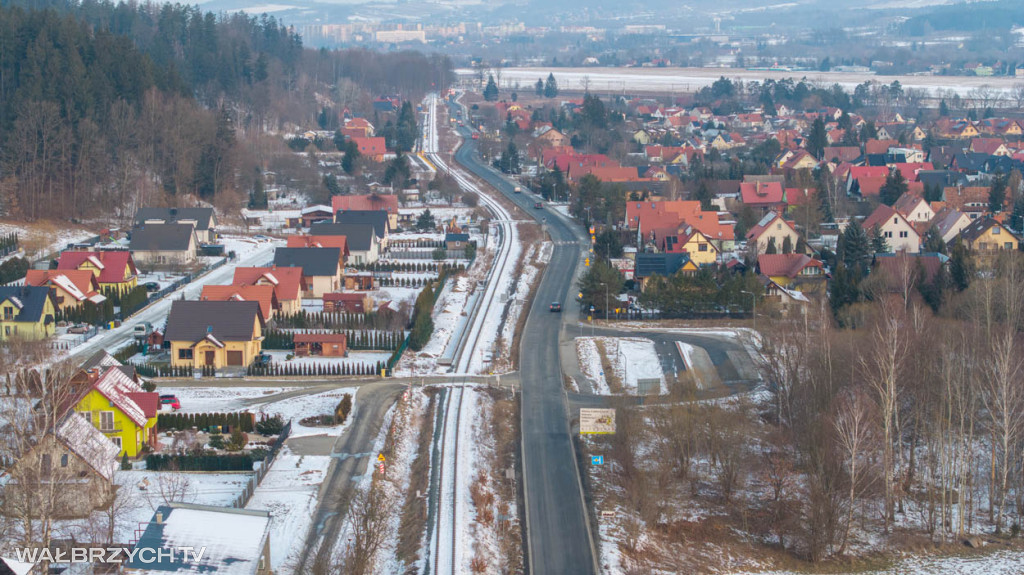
column 476, row 136
column 152, row 286
column 79, row 328
column 538, row 205
column 170, row 401
column 555, row 307
column 517, row 190
column 262, row 360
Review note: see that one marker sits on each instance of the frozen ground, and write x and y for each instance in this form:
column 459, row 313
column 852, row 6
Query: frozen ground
column 218, row 399
column 297, row 407
column 44, row 238
column 999, row 563
column 631, row 358
column 289, row 492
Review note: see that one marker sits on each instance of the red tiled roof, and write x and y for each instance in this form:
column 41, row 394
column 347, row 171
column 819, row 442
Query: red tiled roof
column 149, row 402
column 264, row 294
column 873, row 146
column 83, row 281
column 371, row 146
column 882, row 214
column 789, row 265
column 910, row 169
column 758, row 229
column 113, row 264
column 337, row 296
column 313, row 241
column 761, row 194
column 287, row 281
column 366, row 202
column 319, row 338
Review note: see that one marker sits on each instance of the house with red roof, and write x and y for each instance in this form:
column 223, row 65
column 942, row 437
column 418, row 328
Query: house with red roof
column 914, row 208
column 309, row 241
column 793, row 271
column 857, row 173
column 909, row 170
column 990, row 146
column 120, row 409
column 368, row 202
column 70, row 288
column 676, row 215
column 361, row 125
column 286, row 281
column 114, row 269
column 873, row 146
column 762, row 195
column 899, row 233
column 264, row 294
column 375, row 148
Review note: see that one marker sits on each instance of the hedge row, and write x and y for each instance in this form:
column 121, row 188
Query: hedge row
column 233, row 420
column 225, row 462
column 316, row 369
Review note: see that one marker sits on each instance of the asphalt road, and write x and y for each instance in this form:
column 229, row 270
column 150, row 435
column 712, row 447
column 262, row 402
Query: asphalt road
column 558, row 539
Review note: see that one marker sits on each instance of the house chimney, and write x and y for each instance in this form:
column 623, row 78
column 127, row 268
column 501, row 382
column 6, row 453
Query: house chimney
column 159, row 518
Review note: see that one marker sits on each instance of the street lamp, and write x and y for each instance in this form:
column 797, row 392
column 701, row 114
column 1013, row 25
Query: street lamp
column 605, row 300
column 753, row 306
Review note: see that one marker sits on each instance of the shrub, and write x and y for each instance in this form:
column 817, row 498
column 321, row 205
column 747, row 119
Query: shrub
column 343, row 409
column 237, row 441
column 216, row 441
column 270, row 425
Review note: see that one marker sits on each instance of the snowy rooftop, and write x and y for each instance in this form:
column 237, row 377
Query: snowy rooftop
column 234, row 539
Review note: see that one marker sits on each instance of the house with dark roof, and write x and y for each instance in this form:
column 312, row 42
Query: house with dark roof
column 949, row 222
column 203, row 220
column 385, row 202
column 663, row 264
column 214, row 334
column 986, row 237
column 114, row 269
column 115, row 403
column 26, row 312
column 321, row 272
column 376, row 218
column 363, row 243
column 233, row 541
column 164, row 244
column 454, row 242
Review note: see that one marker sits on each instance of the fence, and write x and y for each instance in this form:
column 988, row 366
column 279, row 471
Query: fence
column 186, row 279
column 250, row 487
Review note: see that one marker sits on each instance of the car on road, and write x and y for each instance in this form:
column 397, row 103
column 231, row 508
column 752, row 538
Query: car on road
column 517, row 190
column 152, row 286
column 555, row 307
column 476, row 136
column 538, row 205
column 142, row 330
column 170, row 401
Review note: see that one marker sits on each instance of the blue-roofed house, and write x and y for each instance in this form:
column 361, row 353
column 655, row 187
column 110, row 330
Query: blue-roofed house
column 26, row 312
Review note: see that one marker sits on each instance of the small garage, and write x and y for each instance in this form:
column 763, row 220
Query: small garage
column 322, row 344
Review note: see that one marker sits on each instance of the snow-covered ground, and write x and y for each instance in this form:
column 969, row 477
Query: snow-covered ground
column 42, row 239
column 218, row 399
column 355, row 358
column 300, row 406
column 289, row 492
column 535, row 257
column 998, row 563
column 631, row 359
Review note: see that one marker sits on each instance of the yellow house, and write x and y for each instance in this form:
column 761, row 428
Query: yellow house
column 117, row 406
column 772, row 227
column 793, row 271
column 70, row 288
column 986, row 237
column 214, row 334
column 26, row 312
column 696, row 244
column 114, row 270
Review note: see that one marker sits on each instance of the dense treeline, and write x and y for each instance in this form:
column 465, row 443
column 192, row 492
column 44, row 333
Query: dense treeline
column 106, row 107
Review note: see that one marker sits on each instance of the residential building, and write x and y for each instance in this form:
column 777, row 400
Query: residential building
column 287, row 284
column 914, row 208
column 321, row 272
column 373, row 148
column 234, row 541
column 772, row 229
column 949, row 223
column 322, row 241
column 120, row 409
column 363, row 243
column 75, row 456
column 900, row 235
column 387, row 203
column 763, row 196
column 693, row 242
column 114, row 270
column 793, row 271
column 26, row 312
column 663, row 264
column 214, row 334
column 70, row 288
column 204, row 220
column 164, row 244
column 347, row 302
column 455, row 242
column 986, row 237
column 376, row 218
column 263, row 294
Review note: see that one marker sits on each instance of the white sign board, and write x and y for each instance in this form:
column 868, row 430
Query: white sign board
column 597, row 420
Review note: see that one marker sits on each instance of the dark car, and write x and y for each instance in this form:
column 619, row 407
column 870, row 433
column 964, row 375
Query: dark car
column 152, row 286
column 538, row 205
column 170, row 401
column 555, row 307
column 262, row 360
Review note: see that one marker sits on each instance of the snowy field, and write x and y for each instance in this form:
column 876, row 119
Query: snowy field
column 693, row 79
column 448, row 311
column 999, row 563
column 289, row 492
column 45, row 238
column 631, row 359
column 260, row 400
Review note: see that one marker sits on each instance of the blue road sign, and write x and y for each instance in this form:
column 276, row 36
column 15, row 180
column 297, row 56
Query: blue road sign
column 597, row 460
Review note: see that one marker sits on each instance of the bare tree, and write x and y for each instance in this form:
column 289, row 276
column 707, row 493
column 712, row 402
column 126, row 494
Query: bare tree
column 367, row 528
column 854, row 425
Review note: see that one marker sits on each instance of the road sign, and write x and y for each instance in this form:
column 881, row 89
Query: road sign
column 605, row 514
column 594, row 420
column 597, row 460
column 380, row 457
